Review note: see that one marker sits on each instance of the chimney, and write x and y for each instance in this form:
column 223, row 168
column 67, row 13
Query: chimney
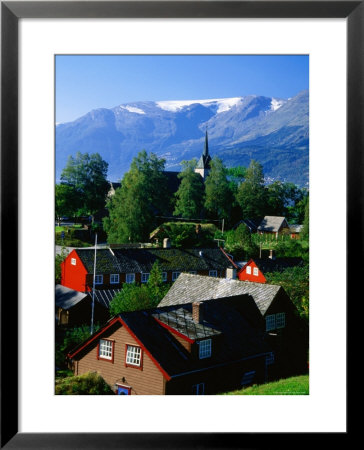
column 166, row 243
column 231, row 273
column 272, row 254
column 197, row 312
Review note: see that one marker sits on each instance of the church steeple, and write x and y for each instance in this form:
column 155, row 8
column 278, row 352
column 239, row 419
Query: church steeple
column 203, row 165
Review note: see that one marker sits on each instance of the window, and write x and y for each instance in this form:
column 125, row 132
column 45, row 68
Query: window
column 248, row 270
column 212, row 273
column 145, row 277
column 133, row 355
column 280, row 320
column 269, row 359
column 255, row 271
column 130, row 277
column 205, row 349
column 114, row 278
column 175, row 275
column 248, row 378
column 198, row 389
column 105, row 349
column 270, row 322
column 164, row 276
column 73, row 261
column 99, row 279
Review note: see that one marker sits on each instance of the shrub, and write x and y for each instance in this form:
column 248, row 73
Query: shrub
column 87, row 384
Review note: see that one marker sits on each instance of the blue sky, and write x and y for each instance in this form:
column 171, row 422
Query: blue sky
column 86, row 82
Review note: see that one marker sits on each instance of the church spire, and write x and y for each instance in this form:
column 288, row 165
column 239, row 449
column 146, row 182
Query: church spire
column 206, row 146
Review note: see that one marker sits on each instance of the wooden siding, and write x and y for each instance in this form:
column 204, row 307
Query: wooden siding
column 145, row 381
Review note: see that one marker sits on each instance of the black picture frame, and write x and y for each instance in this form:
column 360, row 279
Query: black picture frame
column 11, row 12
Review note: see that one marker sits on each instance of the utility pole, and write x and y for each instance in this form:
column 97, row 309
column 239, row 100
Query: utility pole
column 93, row 289
column 222, row 226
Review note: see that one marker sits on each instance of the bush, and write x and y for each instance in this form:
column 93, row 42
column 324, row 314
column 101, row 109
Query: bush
column 87, row 384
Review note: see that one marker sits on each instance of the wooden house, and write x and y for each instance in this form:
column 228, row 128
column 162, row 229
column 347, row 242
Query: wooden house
column 287, row 332
column 255, row 269
column 189, row 349
column 114, row 267
column 273, row 225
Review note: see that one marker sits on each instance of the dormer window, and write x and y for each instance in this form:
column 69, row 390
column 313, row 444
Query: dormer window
column 205, row 349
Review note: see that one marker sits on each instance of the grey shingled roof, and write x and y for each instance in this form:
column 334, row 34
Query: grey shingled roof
column 271, row 223
column 67, row 298
column 189, row 288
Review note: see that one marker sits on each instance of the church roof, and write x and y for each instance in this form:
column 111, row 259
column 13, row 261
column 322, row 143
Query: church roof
column 205, row 159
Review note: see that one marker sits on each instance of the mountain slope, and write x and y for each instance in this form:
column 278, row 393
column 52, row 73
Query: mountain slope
column 273, row 131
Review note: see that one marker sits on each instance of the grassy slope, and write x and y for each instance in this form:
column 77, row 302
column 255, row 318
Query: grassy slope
column 289, row 386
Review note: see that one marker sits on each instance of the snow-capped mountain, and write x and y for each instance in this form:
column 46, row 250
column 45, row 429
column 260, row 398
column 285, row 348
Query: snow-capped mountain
column 270, row 130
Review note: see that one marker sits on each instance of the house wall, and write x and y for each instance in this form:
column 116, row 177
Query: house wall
column 244, row 276
column 145, row 381
column 219, row 379
column 73, row 276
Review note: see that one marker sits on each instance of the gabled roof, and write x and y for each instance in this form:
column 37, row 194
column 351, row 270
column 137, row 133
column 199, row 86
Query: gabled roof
column 272, row 223
column 67, row 298
column 190, row 288
column 252, row 224
column 238, row 340
column 275, row 265
column 137, row 260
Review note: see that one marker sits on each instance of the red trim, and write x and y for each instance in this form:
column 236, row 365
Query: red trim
column 228, row 257
column 172, row 330
column 92, row 338
column 134, row 366
column 124, row 387
column 165, row 374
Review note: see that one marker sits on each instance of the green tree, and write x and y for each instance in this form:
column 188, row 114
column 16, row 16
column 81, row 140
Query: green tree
column 190, row 194
column 60, row 257
column 239, row 242
column 306, row 222
column 65, row 201
column 133, row 207
column 218, row 200
column 86, row 174
column 251, row 194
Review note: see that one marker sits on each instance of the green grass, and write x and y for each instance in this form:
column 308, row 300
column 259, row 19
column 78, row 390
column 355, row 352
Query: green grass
column 65, row 227
column 288, row 386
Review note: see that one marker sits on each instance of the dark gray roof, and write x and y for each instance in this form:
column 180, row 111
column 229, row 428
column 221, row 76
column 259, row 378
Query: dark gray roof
column 104, row 296
column 67, row 298
column 191, row 288
column 136, row 260
column 277, row 265
column 272, row 223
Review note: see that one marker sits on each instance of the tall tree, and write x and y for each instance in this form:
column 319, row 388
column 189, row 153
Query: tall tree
column 306, row 222
column 65, row 201
column 133, row 207
column 218, row 198
column 190, row 194
column 251, row 194
column 86, row 174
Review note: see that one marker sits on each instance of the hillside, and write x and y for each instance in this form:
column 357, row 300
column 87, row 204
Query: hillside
column 272, row 131
column 288, row 386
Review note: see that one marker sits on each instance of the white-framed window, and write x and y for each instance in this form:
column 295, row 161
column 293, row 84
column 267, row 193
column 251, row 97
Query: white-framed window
column 175, row 275
column 130, row 277
column 205, row 349
column 145, row 277
column 99, row 279
column 164, row 276
column 105, row 349
column 280, row 320
column 270, row 322
column 248, row 378
column 114, row 278
column 248, row 270
column 269, row 359
column 73, row 261
column 255, row 271
column 198, row 389
column 212, row 273
column 133, row 355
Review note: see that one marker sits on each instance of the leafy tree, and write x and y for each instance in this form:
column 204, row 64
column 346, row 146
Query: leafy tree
column 219, row 197
column 60, row 257
column 251, row 194
column 133, row 207
column 134, row 297
column 295, row 281
column 190, row 194
column 239, row 242
column 65, row 201
column 86, row 174
column 236, row 174
column 306, row 222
